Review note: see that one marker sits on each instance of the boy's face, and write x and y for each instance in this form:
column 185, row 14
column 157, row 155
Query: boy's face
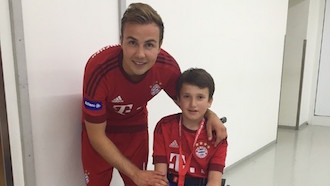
column 141, row 45
column 194, row 102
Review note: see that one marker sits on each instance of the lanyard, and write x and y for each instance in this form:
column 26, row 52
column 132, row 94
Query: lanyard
column 183, row 169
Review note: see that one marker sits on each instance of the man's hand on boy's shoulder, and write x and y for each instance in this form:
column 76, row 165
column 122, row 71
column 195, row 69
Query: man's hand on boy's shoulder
column 220, row 131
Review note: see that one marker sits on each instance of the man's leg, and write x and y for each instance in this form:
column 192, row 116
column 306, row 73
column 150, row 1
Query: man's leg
column 135, row 147
column 97, row 171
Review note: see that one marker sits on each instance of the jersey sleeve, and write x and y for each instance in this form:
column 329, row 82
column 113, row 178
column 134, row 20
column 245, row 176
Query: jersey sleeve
column 94, row 96
column 173, row 72
column 217, row 162
column 159, row 152
column 170, row 89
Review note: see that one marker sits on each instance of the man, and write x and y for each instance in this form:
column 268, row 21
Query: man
column 118, row 83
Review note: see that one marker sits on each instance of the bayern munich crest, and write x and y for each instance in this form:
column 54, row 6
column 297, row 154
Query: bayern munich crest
column 155, row 89
column 201, row 149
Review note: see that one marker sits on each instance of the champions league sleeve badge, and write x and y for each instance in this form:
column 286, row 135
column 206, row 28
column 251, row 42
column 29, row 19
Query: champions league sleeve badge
column 92, row 105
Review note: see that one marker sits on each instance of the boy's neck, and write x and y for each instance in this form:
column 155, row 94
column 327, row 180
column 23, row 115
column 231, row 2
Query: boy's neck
column 191, row 124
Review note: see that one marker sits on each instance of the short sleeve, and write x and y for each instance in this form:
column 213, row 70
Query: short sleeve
column 159, row 152
column 217, row 162
column 94, row 97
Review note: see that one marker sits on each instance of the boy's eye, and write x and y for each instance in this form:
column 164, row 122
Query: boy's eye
column 201, row 97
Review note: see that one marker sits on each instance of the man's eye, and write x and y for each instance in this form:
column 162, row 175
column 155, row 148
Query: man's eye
column 150, row 45
column 132, row 43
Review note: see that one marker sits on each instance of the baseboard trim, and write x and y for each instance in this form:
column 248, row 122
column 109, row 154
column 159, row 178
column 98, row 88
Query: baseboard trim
column 303, row 125
column 293, row 127
column 287, row 127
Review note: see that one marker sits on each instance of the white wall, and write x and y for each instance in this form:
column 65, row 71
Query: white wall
column 322, row 105
column 306, row 96
column 60, row 36
column 239, row 43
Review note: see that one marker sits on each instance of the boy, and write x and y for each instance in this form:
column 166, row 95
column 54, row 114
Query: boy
column 181, row 149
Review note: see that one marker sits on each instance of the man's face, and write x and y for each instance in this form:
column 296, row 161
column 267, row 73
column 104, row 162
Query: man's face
column 140, row 44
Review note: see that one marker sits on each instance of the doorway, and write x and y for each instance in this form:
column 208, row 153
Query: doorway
column 6, row 175
column 291, row 114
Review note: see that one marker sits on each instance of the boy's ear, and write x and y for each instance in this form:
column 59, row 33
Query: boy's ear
column 210, row 102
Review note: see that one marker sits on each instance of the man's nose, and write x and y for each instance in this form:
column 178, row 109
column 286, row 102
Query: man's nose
column 140, row 52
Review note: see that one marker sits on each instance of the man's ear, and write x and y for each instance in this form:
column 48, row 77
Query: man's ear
column 121, row 39
column 160, row 44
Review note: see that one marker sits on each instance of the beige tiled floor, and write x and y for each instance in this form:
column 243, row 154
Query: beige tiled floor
column 299, row 158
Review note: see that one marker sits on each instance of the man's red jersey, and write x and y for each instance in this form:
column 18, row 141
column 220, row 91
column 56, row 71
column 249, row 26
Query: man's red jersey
column 109, row 95
column 205, row 156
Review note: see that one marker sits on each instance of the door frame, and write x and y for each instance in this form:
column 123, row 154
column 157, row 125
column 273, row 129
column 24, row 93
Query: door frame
column 4, row 133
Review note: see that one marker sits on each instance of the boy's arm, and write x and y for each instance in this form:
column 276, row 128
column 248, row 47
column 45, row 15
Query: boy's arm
column 214, row 178
column 161, row 167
